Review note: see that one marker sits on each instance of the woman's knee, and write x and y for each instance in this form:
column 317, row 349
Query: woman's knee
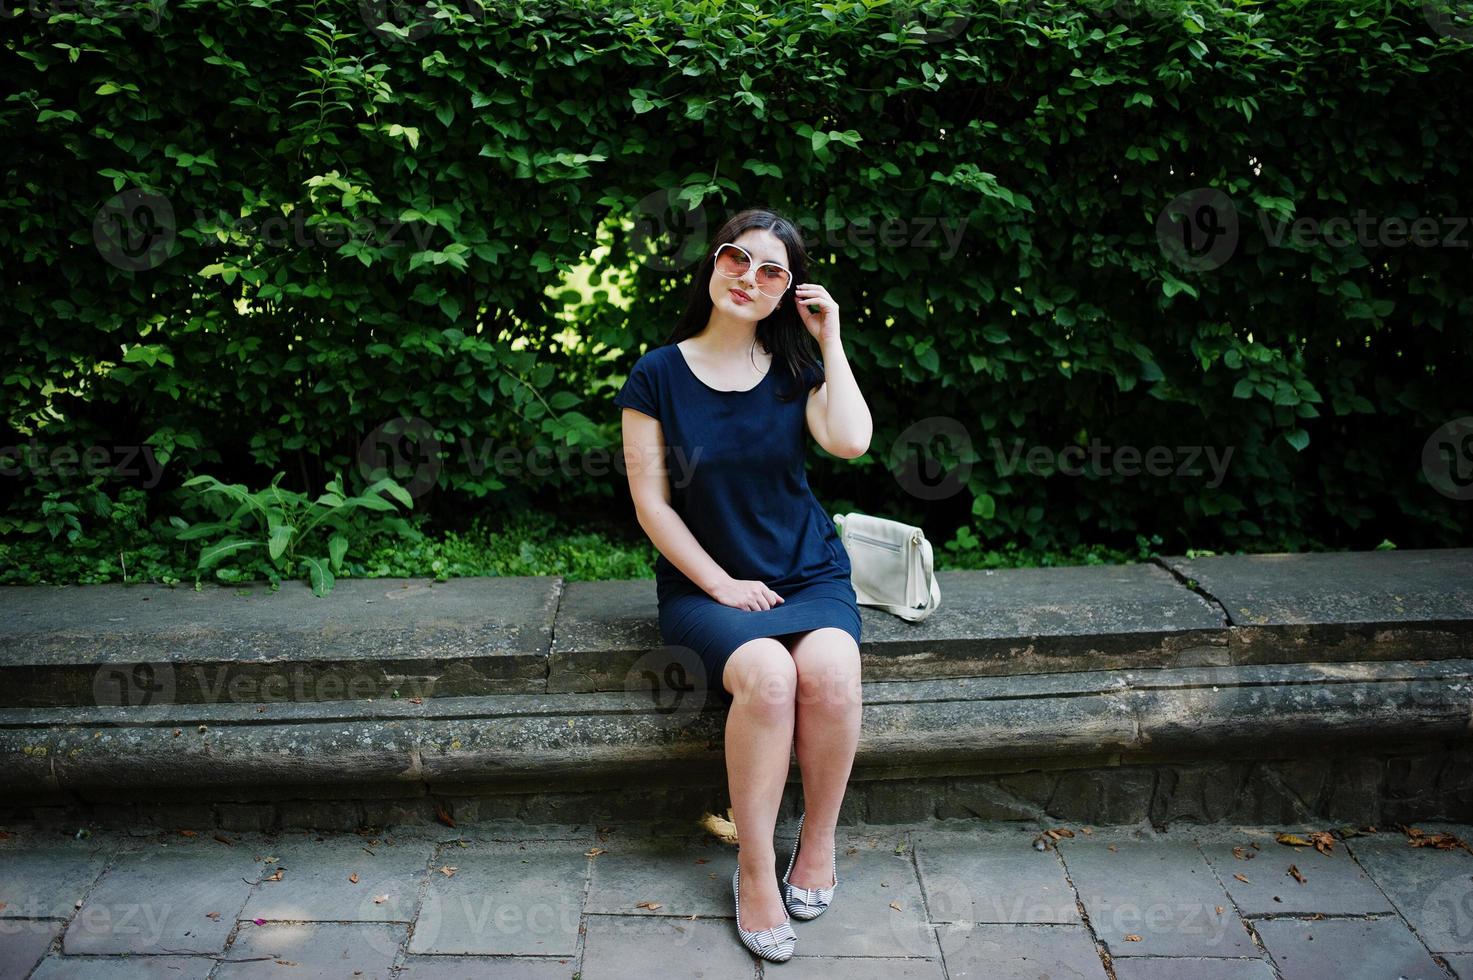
column 762, row 671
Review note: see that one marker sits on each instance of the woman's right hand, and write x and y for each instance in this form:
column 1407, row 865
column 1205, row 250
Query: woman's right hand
column 745, row 594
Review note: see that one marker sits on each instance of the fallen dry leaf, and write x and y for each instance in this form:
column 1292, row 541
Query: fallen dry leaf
column 1132, row 938
column 1441, row 841
column 1086, row 830
column 896, row 906
column 381, row 899
column 274, row 877
column 189, row 833
column 1243, row 879
column 1293, row 840
column 1111, row 847
column 594, row 852
column 224, row 840
column 442, row 815
column 1294, row 873
column 648, row 905
column 447, row 870
column 703, row 860
column 208, row 915
column 1324, row 841
column 353, row 877
column 1062, row 832
column 720, row 828
column 1219, row 910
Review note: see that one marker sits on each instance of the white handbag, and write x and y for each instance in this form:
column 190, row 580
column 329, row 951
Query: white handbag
column 891, row 565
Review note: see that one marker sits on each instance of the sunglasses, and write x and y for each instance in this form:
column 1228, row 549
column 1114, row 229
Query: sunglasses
column 733, row 262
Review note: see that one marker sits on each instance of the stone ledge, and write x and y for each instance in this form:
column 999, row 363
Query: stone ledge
column 918, row 727
column 371, row 639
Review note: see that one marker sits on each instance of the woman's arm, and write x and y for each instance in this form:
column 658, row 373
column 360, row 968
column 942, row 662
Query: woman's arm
column 649, row 485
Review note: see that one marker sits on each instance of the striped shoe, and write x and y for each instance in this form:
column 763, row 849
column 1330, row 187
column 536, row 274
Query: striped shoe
column 774, row 944
column 807, row 903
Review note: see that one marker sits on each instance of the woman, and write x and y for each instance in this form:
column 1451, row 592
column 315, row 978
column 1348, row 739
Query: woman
column 752, row 575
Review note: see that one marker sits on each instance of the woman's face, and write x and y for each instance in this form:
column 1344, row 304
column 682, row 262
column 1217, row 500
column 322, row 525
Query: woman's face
column 728, row 294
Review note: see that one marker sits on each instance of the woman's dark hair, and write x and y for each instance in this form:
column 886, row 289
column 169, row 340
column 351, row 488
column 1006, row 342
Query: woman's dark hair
column 781, row 332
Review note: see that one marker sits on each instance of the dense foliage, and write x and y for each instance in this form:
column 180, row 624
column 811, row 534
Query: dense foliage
column 274, row 239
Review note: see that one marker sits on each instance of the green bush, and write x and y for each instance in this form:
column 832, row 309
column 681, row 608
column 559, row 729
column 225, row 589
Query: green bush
column 251, row 236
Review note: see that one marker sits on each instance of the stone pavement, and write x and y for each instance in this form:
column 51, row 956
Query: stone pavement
column 950, row 899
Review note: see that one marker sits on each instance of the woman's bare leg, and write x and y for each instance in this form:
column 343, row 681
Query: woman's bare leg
column 762, row 679
column 827, row 731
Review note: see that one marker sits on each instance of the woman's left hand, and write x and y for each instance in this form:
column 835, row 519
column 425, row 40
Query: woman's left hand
column 823, row 325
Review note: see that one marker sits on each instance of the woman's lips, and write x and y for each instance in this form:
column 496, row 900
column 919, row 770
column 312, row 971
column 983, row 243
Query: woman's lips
column 740, row 297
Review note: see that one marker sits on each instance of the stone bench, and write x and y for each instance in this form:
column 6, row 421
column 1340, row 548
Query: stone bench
column 1256, row 687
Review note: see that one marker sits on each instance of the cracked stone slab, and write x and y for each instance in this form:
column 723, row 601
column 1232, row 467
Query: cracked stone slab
column 1334, row 884
column 167, row 895
column 340, row 878
column 1159, row 889
column 620, row 947
column 1174, row 968
column 148, row 644
column 486, row 968
column 1019, row 952
column 141, row 967
column 1334, row 949
column 314, row 950
column 503, row 898
column 23, row 942
column 992, row 878
column 1378, row 605
column 684, row 875
column 46, row 874
column 1432, row 888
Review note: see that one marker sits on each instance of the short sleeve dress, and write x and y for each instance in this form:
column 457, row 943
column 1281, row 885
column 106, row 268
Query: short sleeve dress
column 735, row 461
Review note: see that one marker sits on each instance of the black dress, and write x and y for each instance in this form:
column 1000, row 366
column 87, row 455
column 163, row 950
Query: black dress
column 737, row 479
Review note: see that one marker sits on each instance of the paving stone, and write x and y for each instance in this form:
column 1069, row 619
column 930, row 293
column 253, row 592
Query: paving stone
column 1333, row 883
column 1338, row 949
column 992, row 877
column 504, row 898
column 857, row 968
column 686, row 876
column 315, row 885
column 158, row 895
column 1019, row 952
column 131, row 967
column 861, row 920
column 626, row 947
column 1433, row 889
column 1160, row 889
column 487, row 968
column 47, row 874
column 1461, row 964
column 313, row 950
column 23, row 942
column 1175, row 968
